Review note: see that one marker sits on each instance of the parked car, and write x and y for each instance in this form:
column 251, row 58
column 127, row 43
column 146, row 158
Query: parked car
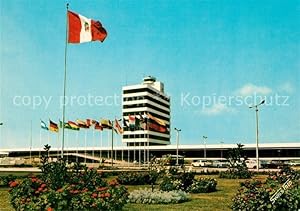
column 220, row 164
column 274, row 164
column 294, row 163
column 201, row 163
column 251, row 164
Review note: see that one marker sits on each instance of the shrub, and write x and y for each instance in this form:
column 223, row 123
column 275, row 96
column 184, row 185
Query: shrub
column 4, row 180
column 146, row 196
column 237, row 167
column 203, row 185
column 60, row 188
column 257, row 195
column 235, row 174
column 134, row 178
column 177, row 181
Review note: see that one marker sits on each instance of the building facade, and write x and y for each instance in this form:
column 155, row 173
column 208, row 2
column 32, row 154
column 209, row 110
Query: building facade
column 146, row 113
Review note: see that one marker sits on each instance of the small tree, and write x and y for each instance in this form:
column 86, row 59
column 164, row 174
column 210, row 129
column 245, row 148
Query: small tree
column 237, row 165
column 156, row 168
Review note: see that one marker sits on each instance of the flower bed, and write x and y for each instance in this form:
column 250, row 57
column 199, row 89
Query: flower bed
column 257, row 195
column 146, row 196
column 60, row 188
column 4, row 180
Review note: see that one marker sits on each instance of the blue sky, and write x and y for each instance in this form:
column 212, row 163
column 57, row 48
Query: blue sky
column 213, row 56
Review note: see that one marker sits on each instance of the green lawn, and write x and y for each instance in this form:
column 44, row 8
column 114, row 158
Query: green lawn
column 219, row 200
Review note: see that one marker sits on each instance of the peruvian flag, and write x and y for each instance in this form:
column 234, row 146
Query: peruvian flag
column 82, row 29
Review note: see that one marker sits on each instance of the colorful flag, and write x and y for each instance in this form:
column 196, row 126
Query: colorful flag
column 98, row 126
column 137, row 123
column 90, row 122
column 43, row 125
column 66, row 125
column 82, row 29
column 81, row 124
column 125, row 122
column 154, row 126
column 118, row 127
column 73, row 125
column 159, row 121
column 105, row 123
column 131, row 122
column 53, row 126
column 143, row 122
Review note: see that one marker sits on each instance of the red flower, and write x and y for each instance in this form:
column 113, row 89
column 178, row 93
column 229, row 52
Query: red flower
column 60, row 190
column 113, row 183
column 43, row 185
column 50, row 209
column 13, row 184
column 102, row 188
column 94, row 195
column 33, row 179
column 107, row 194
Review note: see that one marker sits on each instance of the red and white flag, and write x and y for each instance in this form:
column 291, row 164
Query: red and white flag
column 82, row 29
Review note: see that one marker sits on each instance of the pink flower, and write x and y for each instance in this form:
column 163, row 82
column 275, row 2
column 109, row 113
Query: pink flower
column 13, row 184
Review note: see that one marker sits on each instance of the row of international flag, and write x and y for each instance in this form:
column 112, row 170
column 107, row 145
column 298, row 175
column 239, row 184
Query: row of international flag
column 84, row 124
column 132, row 122
column 146, row 122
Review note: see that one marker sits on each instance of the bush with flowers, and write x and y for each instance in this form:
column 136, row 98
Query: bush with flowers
column 258, row 195
column 60, row 188
column 174, row 180
column 4, row 180
column 203, row 185
column 186, row 181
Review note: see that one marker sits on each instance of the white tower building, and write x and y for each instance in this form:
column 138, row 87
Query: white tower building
column 145, row 99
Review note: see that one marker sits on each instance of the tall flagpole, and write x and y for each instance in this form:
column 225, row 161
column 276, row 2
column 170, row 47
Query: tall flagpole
column 77, row 146
column 65, row 79
column 85, row 146
column 40, row 157
column 30, row 157
column 48, row 144
column 101, row 136
column 112, row 145
column 57, row 151
column 93, row 152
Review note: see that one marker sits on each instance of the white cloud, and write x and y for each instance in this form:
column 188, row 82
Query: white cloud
column 286, row 87
column 216, row 109
column 250, row 89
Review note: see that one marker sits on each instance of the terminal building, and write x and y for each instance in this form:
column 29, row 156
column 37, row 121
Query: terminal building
column 141, row 104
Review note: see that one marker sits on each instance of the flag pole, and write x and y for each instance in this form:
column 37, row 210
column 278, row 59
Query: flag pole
column 101, row 136
column 30, row 157
column 65, row 76
column 40, row 157
column 85, row 146
column 57, row 150
column 77, row 146
column 93, row 152
column 112, row 144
